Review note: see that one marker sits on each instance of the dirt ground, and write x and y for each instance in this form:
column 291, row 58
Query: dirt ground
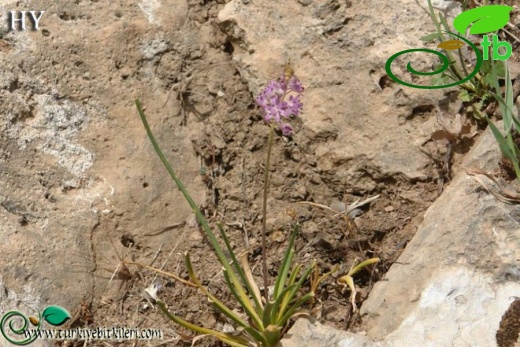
column 201, row 98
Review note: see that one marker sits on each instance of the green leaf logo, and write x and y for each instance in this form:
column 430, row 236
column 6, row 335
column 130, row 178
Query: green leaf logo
column 8, row 327
column 56, row 315
column 485, row 19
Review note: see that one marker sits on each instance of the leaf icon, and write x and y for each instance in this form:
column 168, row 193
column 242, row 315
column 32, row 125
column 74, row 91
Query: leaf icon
column 451, row 45
column 485, row 19
column 56, row 315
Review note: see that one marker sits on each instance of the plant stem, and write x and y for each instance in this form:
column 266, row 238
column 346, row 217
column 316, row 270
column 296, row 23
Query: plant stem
column 264, row 212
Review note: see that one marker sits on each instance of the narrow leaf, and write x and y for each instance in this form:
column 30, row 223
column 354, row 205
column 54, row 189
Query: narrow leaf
column 235, row 341
column 362, row 265
column 277, row 310
column 502, row 142
column 247, row 281
column 286, row 264
column 200, row 217
column 293, row 308
column 430, row 37
column 290, row 296
column 241, row 296
column 255, row 291
column 219, row 304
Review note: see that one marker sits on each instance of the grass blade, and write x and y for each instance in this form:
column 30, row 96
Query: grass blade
column 235, row 341
column 255, row 291
column 285, row 265
column 502, row 142
column 247, row 282
column 276, row 311
column 219, row 304
column 507, row 146
column 200, row 217
column 292, row 310
column 290, row 296
column 241, row 296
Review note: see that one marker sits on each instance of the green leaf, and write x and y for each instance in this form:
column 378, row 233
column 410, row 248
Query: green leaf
column 236, row 341
column 466, row 96
column 500, row 68
column 506, row 104
column 56, row 315
column 198, row 214
column 485, row 68
column 294, row 307
column 502, row 142
column 276, row 310
column 431, row 37
column 268, row 316
column 243, row 300
column 488, row 79
column 285, row 266
column 441, row 78
column 216, row 302
column 440, row 81
column 485, row 19
column 273, row 335
column 477, row 106
column 240, row 271
column 360, row 266
column 290, row 295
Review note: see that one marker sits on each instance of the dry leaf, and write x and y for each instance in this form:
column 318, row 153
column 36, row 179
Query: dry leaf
column 452, row 128
column 504, row 192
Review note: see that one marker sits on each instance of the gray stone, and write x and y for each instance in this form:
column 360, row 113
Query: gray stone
column 459, row 274
column 307, row 334
column 456, row 278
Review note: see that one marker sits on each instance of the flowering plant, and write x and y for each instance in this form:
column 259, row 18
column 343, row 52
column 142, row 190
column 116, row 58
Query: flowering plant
column 266, row 318
column 275, row 104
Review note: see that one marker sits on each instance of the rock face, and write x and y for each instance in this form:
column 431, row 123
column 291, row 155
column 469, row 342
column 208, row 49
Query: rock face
column 457, row 278
column 77, row 170
column 305, row 333
column 339, row 50
column 81, row 188
column 459, row 274
column 75, row 165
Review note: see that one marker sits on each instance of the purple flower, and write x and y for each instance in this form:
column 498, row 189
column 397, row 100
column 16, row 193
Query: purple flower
column 295, row 85
column 294, row 104
column 273, row 101
column 276, row 88
column 262, row 101
column 286, row 129
column 272, row 112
